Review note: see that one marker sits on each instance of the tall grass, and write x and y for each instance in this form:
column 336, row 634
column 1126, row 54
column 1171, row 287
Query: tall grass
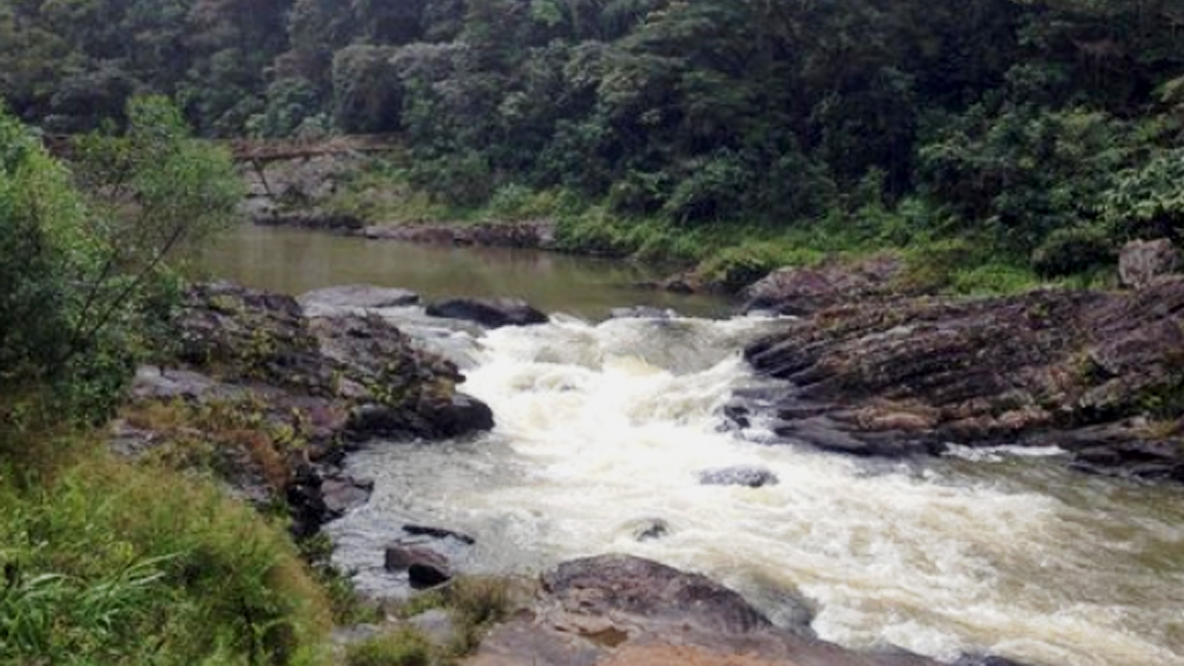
column 108, row 563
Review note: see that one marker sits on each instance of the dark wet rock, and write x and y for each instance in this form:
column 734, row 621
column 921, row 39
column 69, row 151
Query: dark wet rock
column 1149, row 460
column 489, row 312
column 424, row 567
column 737, row 415
column 642, row 312
column 621, row 583
column 1141, row 262
column 438, row 533
column 538, row 234
column 803, row 291
column 358, row 296
column 459, row 415
column 1077, row 369
column 306, row 502
column 975, row 660
column 753, row 477
column 649, row 529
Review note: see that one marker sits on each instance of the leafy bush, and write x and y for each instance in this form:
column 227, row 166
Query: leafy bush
column 460, row 180
column 1147, row 202
column 714, row 188
column 1073, row 250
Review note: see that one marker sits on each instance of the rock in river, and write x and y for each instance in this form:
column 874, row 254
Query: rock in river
column 753, row 477
column 357, row 296
column 489, row 312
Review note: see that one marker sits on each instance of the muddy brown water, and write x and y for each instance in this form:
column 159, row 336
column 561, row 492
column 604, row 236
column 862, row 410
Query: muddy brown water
column 295, row 261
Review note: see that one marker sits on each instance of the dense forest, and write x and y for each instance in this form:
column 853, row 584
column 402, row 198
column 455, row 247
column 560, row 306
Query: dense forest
column 1043, row 133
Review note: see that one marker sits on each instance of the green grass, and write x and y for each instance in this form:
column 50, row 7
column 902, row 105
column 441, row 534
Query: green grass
column 110, row 563
column 401, row 647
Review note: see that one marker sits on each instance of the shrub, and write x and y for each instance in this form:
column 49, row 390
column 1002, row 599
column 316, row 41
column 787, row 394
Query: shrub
column 1073, row 250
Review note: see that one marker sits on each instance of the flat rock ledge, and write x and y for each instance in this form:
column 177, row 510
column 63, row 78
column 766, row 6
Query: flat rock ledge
column 282, row 396
column 1100, row 375
column 617, row 610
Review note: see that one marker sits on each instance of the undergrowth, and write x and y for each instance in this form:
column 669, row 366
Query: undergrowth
column 110, row 563
column 727, row 255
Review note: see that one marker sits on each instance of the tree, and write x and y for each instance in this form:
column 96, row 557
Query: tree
column 81, row 265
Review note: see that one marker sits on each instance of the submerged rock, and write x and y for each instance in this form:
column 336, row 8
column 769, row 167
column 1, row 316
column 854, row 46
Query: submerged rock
column 642, row 312
column 753, row 477
column 489, row 312
column 974, row 660
column 648, row 529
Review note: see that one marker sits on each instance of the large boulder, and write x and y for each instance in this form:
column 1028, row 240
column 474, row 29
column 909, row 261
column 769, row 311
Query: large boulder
column 626, row 584
column 617, row 610
column 489, row 312
column 1142, row 261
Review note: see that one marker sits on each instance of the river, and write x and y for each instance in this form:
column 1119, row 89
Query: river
column 605, row 425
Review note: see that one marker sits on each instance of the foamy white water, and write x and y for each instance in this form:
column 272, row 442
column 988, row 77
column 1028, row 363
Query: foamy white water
column 602, row 427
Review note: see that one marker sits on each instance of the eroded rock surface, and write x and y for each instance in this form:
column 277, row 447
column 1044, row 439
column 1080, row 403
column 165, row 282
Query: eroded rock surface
column 1089, row 371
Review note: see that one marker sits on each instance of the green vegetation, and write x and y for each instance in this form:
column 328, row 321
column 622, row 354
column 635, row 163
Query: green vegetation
column 109, row 563
column 401, row 647
column 1047, row 130
column 105, row 561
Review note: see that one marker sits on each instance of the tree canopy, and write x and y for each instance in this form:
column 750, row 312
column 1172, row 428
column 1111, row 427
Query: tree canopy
column 1014, row 119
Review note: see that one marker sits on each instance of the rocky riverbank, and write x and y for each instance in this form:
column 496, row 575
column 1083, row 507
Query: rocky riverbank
column 1098, row 374
column 271, row 398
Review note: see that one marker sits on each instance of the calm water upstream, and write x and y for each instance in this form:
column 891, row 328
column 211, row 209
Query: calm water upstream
column 295, row 261
column 604, row 425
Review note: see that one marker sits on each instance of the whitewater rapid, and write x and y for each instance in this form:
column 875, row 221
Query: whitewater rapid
column 603, row 427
